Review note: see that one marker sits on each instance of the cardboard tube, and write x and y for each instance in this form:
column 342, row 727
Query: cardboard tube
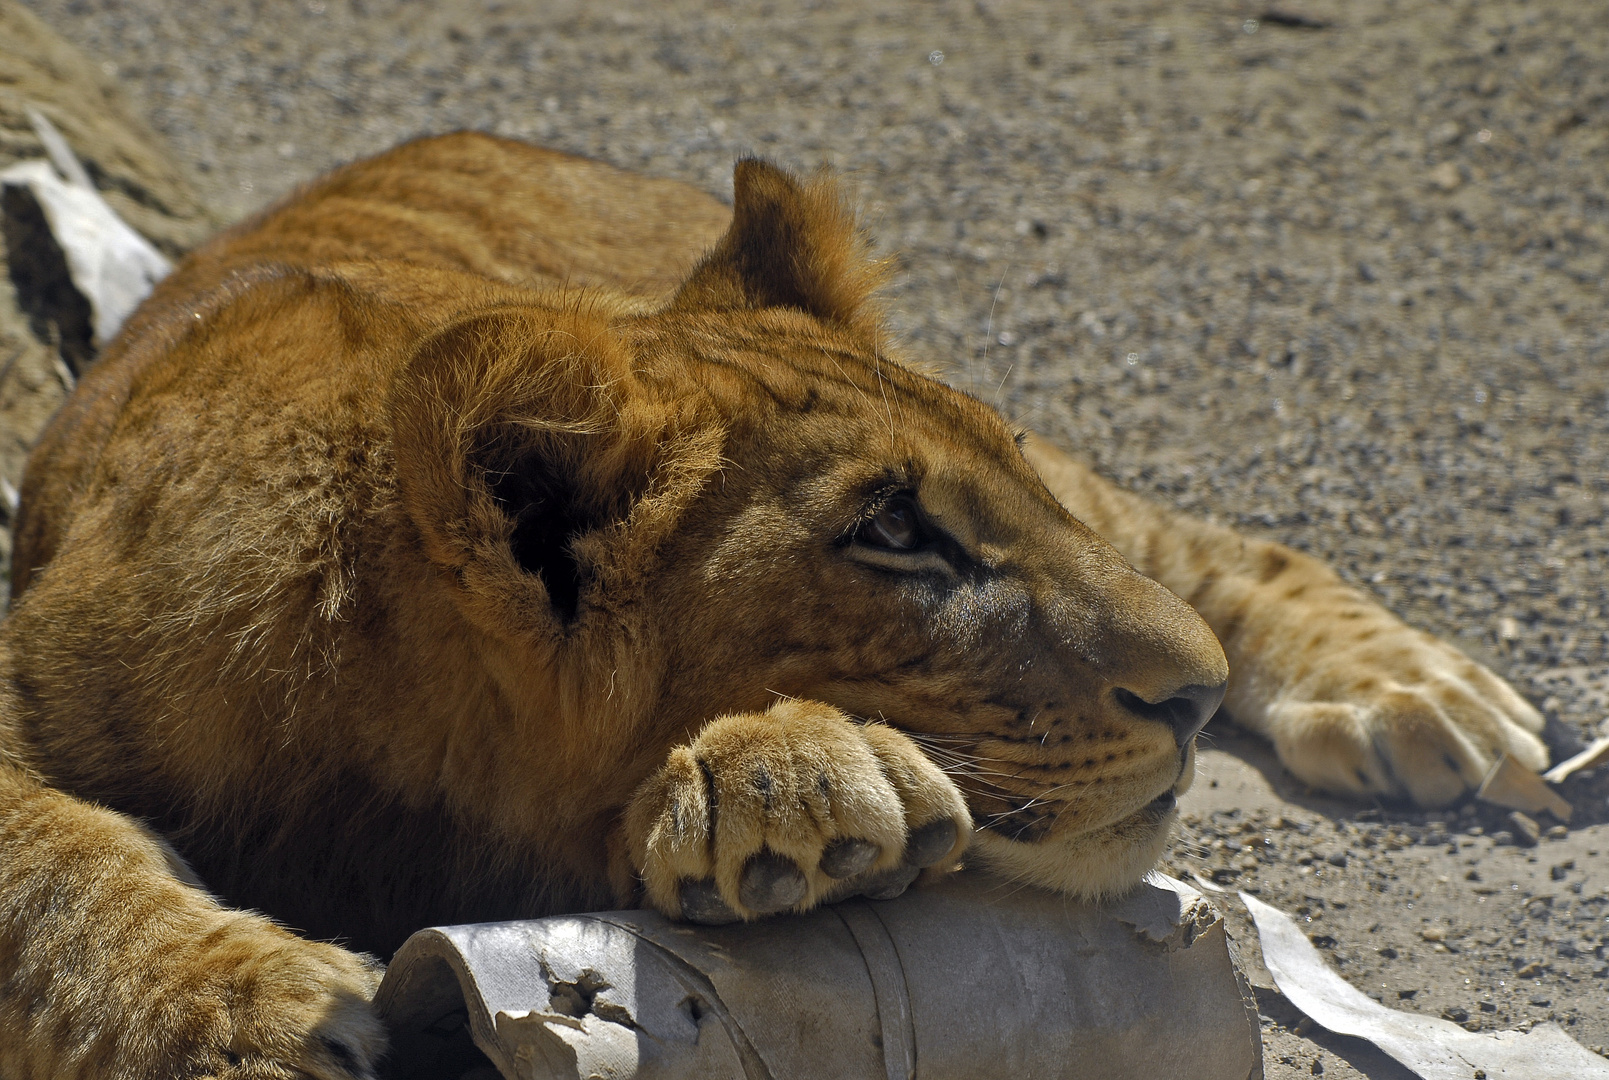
column 970, row 978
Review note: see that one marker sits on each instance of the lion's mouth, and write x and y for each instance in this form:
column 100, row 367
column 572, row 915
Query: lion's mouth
column 1035, row 822
column 1042, row 842
column 1161, row 806
column 1033, row 818
column 1154, row 813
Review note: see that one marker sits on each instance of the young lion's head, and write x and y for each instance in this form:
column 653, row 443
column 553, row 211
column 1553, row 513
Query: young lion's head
column 657, row 516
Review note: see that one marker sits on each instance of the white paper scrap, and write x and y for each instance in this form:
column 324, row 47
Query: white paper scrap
column 1591, row 757
column 1430, row 1047
column 111, row 265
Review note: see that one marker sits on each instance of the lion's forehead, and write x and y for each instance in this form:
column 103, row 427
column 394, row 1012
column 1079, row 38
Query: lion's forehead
column 782, row 361
column 865, row 423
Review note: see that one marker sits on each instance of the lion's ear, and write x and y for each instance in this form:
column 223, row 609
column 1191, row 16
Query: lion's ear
column 792, row 243
column 518, row 433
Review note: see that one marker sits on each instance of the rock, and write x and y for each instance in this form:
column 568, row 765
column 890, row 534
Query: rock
column 1446, row 176
column 1527, row 833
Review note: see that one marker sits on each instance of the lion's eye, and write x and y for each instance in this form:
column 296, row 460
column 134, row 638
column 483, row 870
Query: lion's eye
column 896, row 526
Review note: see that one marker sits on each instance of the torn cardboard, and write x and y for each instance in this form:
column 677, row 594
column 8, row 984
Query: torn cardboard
column 1431, row 1048
column 972, row 977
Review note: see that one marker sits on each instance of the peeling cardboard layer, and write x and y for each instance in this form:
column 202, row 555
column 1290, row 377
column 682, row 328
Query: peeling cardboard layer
column 1432, row 1048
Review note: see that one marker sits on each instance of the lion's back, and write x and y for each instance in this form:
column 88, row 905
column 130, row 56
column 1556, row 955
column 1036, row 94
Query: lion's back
column 464, row 206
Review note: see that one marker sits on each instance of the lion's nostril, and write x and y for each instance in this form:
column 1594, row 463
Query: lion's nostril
column 1187, row 712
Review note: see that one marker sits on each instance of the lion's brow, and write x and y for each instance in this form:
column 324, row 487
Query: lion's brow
column 806, row 385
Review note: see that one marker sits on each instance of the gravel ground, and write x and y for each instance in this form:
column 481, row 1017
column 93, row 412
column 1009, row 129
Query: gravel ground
column 1330, row 273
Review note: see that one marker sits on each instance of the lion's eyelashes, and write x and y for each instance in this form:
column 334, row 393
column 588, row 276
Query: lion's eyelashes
column 894, row 533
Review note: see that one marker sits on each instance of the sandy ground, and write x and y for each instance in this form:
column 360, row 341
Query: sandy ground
column 1331, row 273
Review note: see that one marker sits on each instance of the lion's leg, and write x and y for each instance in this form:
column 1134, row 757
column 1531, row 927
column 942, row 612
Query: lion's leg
column 1354, row 700
column 112, row 966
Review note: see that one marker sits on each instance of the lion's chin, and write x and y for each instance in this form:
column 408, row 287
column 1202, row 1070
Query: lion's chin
column 1094, row 865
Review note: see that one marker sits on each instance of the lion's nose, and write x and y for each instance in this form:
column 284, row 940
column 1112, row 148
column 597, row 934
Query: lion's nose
column 1186, row 712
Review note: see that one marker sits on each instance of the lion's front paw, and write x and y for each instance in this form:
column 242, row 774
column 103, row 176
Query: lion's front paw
column 292, row 1007
column 781, row 810
column 1399, row 713
column 229, row 995
column 115, row 964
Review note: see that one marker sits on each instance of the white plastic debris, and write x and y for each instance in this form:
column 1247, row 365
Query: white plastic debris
column 969, row 978
column 1430, row 1047
column 1593, row 756
column 110, row 264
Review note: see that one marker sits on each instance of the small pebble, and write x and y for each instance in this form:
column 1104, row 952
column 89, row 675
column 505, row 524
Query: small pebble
column 1526, row 831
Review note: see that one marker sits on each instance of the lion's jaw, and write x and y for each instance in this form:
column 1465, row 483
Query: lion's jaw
column 1091, row 864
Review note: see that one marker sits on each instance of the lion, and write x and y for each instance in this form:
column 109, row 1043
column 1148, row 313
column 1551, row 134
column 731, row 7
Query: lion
column 488, row 533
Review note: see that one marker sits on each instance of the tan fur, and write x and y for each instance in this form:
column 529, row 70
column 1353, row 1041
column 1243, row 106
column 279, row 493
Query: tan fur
column 452, row 543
